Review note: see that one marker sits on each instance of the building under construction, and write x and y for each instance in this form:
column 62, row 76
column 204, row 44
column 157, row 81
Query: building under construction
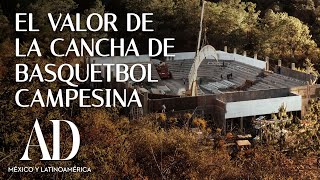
column 227, row 89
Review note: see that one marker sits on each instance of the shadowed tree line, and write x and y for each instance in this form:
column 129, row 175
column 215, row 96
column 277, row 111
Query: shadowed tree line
column 276, row 29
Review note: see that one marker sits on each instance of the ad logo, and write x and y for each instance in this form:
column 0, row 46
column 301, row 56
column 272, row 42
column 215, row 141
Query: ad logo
column 56, row 141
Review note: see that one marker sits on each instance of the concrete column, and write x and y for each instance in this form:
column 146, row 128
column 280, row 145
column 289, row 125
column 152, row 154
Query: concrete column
column 293, row 66
column 89, row 80
column 145, row 103
column 235, row 50
column 86, row 69
column 88, row 60
column 112, row 76
column 241, row 124
column 105, row 77
column 267, row 63
column 244, row 53
column 279, row 62
column 225, row 48
column 255, row 56
column 95, row 76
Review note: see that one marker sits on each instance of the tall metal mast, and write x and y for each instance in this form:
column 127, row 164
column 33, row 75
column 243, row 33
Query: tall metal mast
column 201, row 23
column 193, row 72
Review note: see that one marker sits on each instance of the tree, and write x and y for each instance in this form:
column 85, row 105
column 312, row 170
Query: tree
column 171, row 18
column 40, row 10
column 309, row 68
column 199, row 123
column 232, row 23
column 286, row 37
column 6, row 43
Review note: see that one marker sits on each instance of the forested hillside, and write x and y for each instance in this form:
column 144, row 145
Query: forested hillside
column 287, row 30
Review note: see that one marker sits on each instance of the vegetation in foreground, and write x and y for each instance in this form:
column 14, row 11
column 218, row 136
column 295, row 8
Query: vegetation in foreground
column 154, row 148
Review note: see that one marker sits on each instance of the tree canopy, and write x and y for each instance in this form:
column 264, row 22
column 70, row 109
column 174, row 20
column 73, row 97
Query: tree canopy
column 273, row 28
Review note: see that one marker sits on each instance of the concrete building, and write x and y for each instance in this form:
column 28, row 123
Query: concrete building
column 232, row 89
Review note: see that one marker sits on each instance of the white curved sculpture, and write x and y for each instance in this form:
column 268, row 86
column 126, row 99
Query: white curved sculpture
column 207, row 52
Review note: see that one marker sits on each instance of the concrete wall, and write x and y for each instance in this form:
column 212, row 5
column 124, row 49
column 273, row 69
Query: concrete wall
column 241, row 104
column 262, row 106
column 184, row 55
column 161, row 96
column 227, row 57
column 243, row 59
column 219, row 110
column 307, row 93
column 293, row 73
column 180, row 103
column 253, row 95
column 143, row 59
column 211, row 107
